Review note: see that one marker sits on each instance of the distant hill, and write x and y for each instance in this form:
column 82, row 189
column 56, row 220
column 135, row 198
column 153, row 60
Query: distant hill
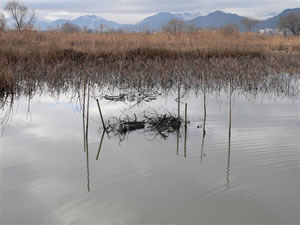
column 155, row 22
column 273, row 21
column 89, row 21
column 217, row 19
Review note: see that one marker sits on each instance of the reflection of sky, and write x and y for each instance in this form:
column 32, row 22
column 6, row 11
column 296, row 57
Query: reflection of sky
column 43, row 166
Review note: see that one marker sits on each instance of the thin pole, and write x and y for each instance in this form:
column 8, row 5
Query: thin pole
column 100, row 145
column 100, row 112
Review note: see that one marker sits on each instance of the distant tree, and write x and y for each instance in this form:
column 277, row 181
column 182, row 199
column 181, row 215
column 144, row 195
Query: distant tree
column 70, row 28
column 249, row 23
column 291, row 23
column 174, row 26
column 102, row 28
column 22, row 16
column 2, row 22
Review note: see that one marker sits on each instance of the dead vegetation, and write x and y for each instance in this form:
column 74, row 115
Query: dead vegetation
column 152, row 124
column 47, row 47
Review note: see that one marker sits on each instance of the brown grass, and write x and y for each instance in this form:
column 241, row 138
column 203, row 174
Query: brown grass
column 54, row 45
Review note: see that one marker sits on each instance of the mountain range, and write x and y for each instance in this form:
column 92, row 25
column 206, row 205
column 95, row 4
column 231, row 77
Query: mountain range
column 154, row 23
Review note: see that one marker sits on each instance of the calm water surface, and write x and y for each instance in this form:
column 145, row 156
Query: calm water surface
column 249, row 177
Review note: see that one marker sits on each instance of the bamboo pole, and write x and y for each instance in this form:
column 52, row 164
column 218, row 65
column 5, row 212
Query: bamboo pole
column 100, row 112
column 100, row 145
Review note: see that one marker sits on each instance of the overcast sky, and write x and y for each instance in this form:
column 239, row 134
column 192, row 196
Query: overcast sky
column 131, row 11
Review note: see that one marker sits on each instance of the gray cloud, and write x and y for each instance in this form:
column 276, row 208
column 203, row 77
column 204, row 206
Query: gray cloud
column 133, row 10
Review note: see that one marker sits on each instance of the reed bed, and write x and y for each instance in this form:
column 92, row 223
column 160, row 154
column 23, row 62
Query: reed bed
column 32, row 59
column 32, row 45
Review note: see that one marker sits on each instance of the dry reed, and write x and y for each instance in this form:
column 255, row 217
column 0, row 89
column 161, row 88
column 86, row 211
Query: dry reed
column 32, row 45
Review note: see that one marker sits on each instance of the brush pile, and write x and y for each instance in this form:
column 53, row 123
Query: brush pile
column 157, row 124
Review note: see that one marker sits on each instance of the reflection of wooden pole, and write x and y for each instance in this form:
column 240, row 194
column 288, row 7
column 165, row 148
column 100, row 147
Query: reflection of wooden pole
column 185, row 116
column 83, row 116
column 28, row 107
column 229, row 135
column 87, row 118
column 185, row 129
column 101, row 114
column 204, row 101
column 202, row 147
column 204, row 125
column 204, row 122
column 178, row 99
column 87, row 138
column 100, row 145
column 88, row 169
column 177, row 147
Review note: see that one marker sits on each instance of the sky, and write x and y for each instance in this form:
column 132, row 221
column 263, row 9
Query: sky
column 132, row 11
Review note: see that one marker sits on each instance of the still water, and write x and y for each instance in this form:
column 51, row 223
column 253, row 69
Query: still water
column 245, row 169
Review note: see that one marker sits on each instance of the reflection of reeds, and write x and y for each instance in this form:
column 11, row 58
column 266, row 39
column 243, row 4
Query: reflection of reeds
column 6, row 112
column 249, row 74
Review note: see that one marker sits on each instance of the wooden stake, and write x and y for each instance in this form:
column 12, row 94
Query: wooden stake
column 101, row 114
